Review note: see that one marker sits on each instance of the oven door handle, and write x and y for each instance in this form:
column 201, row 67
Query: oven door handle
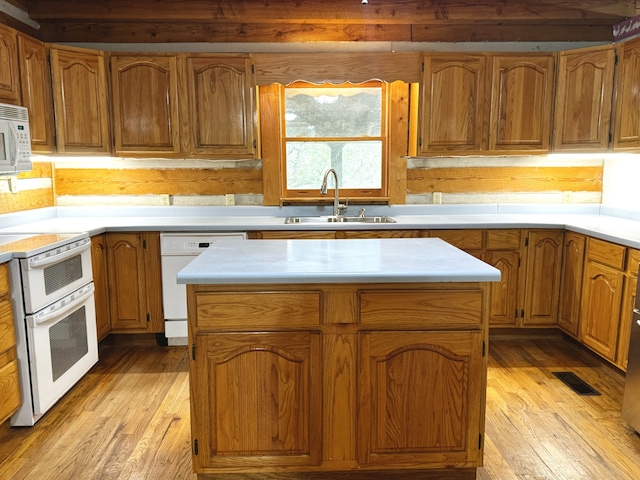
column 55, row 315
column 41, row 262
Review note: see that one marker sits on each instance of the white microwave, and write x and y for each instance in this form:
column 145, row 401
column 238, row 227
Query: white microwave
column 15, row 140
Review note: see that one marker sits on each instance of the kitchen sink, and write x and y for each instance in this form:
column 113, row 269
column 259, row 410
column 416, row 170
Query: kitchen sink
column 339, row 219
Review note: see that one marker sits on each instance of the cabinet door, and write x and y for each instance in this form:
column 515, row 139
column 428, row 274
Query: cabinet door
column 600, row 308
column 153, row 281
column 571, row 283
column 453, row 108
column 101, row 284
column 584, row 99
column 627, row 126
column 10, row 399
column 521, row 103
column 80, row 101
column 626, row 319
column 503, row 295
column 9, row 73
column 542, row 284
column 145, row 104
column 420, row 398
column 259, row 400
column 35, row 81
column 127, row 288
column 221, row 100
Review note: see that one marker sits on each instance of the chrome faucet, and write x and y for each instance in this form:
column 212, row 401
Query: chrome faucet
column 337, row 206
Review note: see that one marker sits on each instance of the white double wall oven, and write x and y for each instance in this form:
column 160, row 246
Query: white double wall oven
column 54, row 307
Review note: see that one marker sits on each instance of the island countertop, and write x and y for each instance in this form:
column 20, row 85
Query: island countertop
column 393, row 260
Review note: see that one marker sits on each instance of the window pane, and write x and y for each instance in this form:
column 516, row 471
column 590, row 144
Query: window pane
column 333, row 112
column 358, row 164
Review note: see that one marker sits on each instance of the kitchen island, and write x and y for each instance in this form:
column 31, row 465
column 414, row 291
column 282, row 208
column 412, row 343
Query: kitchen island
column 326, row 357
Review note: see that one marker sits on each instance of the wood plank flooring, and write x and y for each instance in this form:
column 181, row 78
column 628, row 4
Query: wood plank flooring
column 129, row 419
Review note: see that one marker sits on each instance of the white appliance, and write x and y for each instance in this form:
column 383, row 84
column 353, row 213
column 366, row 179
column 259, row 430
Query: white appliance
column 177, row 250
column 55, row 318
column 15, row 140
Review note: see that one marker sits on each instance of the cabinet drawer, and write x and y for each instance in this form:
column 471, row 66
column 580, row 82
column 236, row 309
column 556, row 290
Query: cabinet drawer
column 503, row 239
column 607, row 253
column 298, row 235
column 7, row 330
column 412, row 308
column 257, row 310
column 463, row 239
column 4, row 279
column 382, row 234
column 633, row 261
column 10, row 388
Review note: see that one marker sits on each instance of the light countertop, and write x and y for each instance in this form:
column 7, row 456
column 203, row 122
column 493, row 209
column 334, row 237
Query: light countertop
column 396, row 260
column 586, row 219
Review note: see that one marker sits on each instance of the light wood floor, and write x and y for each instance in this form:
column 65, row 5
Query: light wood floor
column 129, row 419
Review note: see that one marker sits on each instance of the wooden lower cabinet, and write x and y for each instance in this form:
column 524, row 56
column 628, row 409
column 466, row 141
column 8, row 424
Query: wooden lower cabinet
column 419, row 398
column 263, row 401
column 626, row 319
column 135, row 282
column 542, row 283
column 573, row 251
column 503, row 295
column 10, row 398
column 338, row 378
column 601, row 307
column 101, row 284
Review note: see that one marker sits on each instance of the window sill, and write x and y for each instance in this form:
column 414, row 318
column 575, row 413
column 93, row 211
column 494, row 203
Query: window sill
column 328, row 200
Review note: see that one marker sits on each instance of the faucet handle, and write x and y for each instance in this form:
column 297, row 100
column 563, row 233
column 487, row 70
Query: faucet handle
column 343, row 206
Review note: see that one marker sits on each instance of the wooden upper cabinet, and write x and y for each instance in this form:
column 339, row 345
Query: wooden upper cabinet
column 35, row 81
column 80, row 101
column 627, row 123
column 453, row 96
column 521, row 103
column 9, row 73
column 584, row 99
column 220, row 105
column 145, row 104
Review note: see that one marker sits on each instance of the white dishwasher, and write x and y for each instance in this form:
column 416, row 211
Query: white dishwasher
column 177, row 250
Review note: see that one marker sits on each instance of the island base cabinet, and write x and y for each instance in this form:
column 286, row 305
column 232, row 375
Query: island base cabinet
column 338, row 380
column 420, row 396
column 259, row 400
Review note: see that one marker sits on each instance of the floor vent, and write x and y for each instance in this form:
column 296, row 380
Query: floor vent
column 575, row 383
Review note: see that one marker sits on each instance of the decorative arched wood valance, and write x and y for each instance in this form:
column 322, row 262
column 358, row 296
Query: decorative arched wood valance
column 337, row 68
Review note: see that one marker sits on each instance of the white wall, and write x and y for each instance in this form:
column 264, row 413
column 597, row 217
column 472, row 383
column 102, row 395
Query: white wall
column 621, row 182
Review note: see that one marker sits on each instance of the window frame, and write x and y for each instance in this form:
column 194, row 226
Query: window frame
column 369, row 194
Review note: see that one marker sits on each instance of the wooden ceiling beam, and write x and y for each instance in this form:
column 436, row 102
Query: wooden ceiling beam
column 265, row 33
column 328, row 11
column 159, row 32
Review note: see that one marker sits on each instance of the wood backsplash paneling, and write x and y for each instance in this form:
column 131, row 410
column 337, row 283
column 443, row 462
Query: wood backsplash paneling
column 505, row 179
column 138, row 181
column 28, row 198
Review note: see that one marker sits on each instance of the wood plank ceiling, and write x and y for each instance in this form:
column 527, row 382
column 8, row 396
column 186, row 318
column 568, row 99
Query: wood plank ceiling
column 133, row 21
